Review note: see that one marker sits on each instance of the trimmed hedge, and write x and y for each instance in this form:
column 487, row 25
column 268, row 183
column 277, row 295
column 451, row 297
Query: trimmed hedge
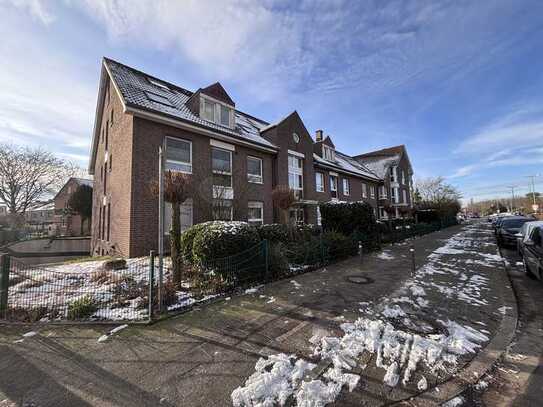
column 273, row 233
column 349, row 218
column 216, row 240
column 187, row 240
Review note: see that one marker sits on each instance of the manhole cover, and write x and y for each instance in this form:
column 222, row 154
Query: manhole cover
column 359, row 279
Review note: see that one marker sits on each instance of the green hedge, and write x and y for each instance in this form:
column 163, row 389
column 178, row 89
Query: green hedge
column 349, row 218
column 216, row 240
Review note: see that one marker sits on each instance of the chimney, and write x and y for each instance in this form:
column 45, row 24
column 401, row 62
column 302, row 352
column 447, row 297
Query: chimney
column 318, row 135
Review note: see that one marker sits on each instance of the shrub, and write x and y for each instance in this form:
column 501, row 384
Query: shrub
column 273, row 233
column 303, row 232
column 187, row 240
column 217, row 239
column 81, row 308
column 114, row 264
column 348, row 218
column 337, row 245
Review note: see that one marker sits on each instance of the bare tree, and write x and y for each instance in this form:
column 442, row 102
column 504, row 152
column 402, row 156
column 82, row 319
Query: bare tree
column 283, row 198
column 28, row 174
column 177, row 189
column 436, row 190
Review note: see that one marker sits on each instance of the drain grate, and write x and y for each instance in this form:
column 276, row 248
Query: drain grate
column 359, row 279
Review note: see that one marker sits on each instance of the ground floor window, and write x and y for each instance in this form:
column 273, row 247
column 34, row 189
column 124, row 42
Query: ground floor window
column 296, row 215
column 333, row 186
column 319, row 217
column 255, row 213
column 223, row 209
column 185, row 212
column 382, row 213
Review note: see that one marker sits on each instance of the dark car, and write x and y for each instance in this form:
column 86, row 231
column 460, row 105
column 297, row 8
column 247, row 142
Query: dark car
column 497, row 222
column 508, row 229
column 533, row 254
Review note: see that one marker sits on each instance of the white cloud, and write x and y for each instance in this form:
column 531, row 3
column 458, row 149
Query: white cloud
column 35, row 8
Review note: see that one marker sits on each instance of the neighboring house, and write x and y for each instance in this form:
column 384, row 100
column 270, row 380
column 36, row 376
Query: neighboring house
column 392, row 165
column 40, row 217
column 68, row 223
column 234, row 159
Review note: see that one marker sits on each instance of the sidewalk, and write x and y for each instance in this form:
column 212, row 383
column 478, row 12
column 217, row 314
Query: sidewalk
column 199, row 358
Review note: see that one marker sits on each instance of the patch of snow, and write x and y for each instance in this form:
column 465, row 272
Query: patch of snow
column 455, row 402
column 253, row 290
column 422, row 384
column 385, row 256
column 30, row 334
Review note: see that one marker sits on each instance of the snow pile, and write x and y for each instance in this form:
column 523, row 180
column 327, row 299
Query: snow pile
column 274, row 381
column 105, row 337
column 385, row 256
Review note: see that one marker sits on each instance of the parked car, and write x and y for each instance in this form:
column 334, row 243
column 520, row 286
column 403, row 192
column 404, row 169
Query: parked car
column 508, row 228
column 498, row 220
column 524, row 235
column 533, row 253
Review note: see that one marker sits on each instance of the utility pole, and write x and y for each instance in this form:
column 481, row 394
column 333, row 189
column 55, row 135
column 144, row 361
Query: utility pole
column 160, row 227
column 512, row 196
column 531, row 186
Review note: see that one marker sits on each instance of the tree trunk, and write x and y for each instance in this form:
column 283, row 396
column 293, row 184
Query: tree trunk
column 175, row 243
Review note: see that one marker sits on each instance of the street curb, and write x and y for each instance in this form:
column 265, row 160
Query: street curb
column 474, row 370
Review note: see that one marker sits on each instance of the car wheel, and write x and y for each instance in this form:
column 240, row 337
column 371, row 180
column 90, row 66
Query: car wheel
column 528, row 271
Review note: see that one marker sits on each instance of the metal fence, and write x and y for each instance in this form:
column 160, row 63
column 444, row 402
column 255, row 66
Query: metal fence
column 121, row 290
column 31, row 293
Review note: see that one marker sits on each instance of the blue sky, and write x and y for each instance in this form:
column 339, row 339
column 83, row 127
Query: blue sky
column 459, row 82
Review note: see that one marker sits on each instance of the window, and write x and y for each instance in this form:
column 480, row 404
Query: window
column 333, row 186
column 209, row 110
column 185, row 212
column 404, row 196
column 364, row 190
column 382, row 192
column 346, row 187
column 254, row 170
column 157, row 83
column 221, row 162
column 222, row 209
column 225, row 116
column 255, row 212
column 319, row 181
column 295, row 175
column 328, row 153
column 372, row 191
column 403, row 177
column 394, row 195
column 393, row 177
column 296, row 216
column 216, row 112
column 155, row 97
column 178, row 155
column 319, row 217
column 382, row 213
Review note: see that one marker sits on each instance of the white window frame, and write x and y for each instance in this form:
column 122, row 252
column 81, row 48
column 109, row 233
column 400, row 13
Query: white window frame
column 255, row 179
column 393, row 174
column 394, row 195
column 168, row 217
column 364, row 190
column 231, row 208
column 255, row 205
column 383, row 192
column 217, row 111
column 227, row 191
column 296, row 171
column 372, row 191
column 321, row 175
column 177, row 161
column 319, row 216
column 328, row 153
column 334, row 186
column 346, row 187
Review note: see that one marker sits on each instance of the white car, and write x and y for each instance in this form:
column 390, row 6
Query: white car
column 524, row 234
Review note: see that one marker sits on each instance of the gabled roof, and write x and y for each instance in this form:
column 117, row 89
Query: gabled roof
column 141, row 92
column 217, row 91
column 78, row 181
column 379, row 161
column 328, row 141
column 348, row 164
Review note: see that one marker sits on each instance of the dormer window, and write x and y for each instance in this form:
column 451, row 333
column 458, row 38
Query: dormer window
column 216, row 112
column 329, row 153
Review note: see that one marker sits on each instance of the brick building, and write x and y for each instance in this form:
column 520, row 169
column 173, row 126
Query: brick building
column 68, row 223
column 234, row 158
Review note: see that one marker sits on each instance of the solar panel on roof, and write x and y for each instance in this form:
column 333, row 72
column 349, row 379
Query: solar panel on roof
column 155, row 97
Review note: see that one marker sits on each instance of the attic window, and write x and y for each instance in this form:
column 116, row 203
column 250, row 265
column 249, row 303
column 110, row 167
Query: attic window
column 155, row 97
column 216, row 112
column 157, row 83
column 328, row 153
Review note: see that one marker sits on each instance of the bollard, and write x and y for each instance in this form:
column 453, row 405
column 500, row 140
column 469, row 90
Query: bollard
column 412, row 251
column 151, row 282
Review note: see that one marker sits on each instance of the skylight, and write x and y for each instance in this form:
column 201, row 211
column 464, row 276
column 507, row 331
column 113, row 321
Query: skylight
column 157, row 83
column 155, row 97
